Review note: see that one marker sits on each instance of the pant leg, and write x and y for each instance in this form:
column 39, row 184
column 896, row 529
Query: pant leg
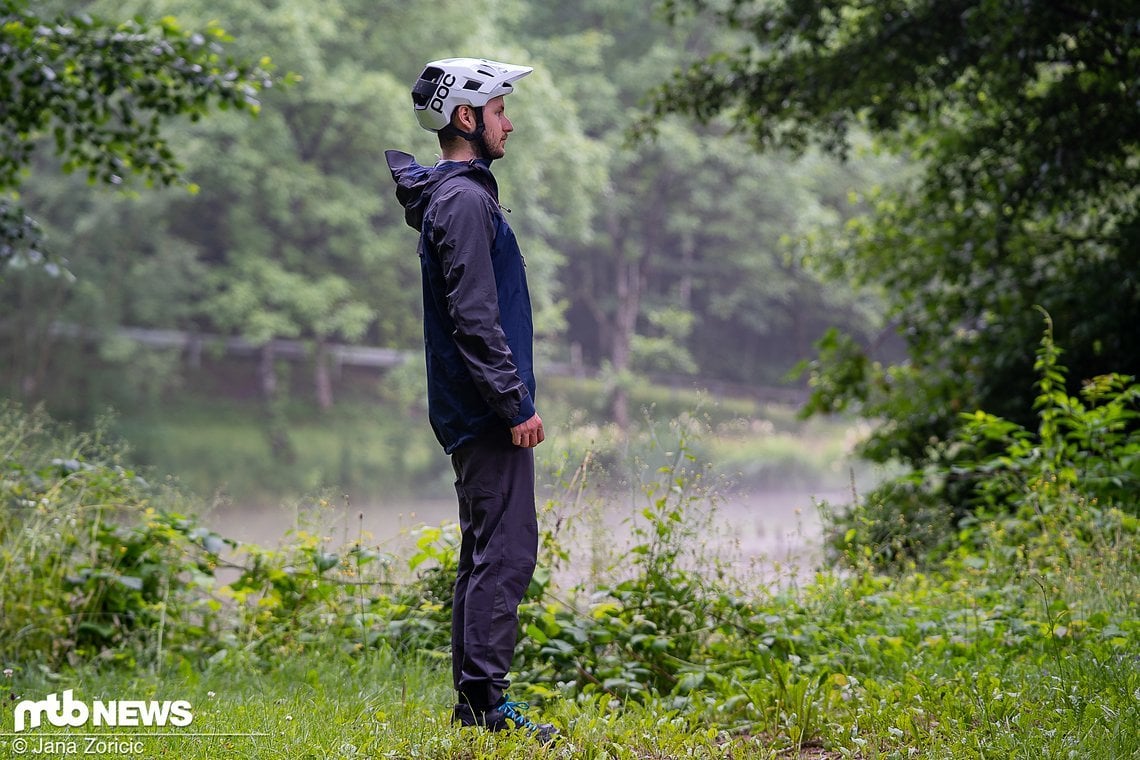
column 495, row 488
column 462, row 580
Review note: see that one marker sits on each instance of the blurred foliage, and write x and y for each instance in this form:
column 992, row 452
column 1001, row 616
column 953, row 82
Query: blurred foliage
column 1022, row 118
column 105, row 91
column 643, row 257
column 98, row 565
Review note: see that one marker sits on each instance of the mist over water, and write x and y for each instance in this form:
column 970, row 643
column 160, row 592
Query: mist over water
column 772, row 536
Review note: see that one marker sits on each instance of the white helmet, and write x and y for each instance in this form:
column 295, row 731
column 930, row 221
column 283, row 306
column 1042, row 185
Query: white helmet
column 452, row 82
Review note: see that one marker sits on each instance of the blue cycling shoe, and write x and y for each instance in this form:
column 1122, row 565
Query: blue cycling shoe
column 504, row 715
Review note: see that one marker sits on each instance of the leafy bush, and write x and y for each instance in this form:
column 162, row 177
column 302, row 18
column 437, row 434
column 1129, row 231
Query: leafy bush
column 88, row 566
column 1028, row 590
column 1085, row 451
column 97, row 564
column 633, row 633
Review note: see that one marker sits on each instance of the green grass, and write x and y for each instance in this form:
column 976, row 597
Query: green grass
column 935, row 667
column 324, row 705
column 774, row 452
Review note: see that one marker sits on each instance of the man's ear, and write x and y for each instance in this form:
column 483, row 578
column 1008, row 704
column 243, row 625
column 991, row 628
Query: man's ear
column 464, row 118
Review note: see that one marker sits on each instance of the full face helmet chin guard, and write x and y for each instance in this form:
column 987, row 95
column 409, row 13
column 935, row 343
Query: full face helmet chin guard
column 451, row 82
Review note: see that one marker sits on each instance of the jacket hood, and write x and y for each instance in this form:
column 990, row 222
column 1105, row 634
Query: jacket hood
column 416, row 184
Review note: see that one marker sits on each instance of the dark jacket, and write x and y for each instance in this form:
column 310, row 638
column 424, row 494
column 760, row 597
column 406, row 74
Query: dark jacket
column 478, row 332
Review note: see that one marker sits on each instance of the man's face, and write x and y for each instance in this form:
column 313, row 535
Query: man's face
column 496, row 128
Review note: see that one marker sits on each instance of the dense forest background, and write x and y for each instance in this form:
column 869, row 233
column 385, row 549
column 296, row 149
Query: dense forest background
column 667, row 256
column 884, row 196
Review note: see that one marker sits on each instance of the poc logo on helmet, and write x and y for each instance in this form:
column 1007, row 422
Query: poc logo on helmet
column 441, row 92
column 451, row 82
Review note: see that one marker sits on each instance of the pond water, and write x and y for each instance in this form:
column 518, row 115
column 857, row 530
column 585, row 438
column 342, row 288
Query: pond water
column 772, row 536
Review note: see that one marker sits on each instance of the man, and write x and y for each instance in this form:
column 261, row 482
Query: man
column 478, row 336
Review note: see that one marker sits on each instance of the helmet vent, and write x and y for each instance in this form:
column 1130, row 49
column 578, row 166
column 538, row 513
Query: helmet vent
column 472, row 85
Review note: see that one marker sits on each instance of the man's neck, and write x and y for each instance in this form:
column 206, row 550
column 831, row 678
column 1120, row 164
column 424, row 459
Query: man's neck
column 463, row 153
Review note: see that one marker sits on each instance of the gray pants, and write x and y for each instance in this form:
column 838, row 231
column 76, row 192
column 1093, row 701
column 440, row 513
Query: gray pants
column 495, row 485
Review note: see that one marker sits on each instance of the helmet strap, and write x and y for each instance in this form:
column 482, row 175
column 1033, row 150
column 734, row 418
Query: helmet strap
column 453, row 131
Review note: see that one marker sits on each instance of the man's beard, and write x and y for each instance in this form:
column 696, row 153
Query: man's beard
column 483, row 149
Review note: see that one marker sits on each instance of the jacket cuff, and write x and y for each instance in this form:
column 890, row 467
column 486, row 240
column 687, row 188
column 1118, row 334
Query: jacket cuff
column 526, row 411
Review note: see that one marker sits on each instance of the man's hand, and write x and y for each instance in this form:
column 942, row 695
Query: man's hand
column 529, row 434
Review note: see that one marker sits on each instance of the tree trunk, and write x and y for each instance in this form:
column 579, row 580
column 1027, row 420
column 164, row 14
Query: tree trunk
column 323, row 380
column 628, row 285
column 276, row 426
column 267, row 373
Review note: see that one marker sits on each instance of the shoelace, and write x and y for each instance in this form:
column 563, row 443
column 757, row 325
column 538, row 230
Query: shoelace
column 513, row 710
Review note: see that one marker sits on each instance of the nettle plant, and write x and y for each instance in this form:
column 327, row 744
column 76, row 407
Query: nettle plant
column 1079, row 470
column 627, row 637
column 678, row 627
column 89, row 567
column 1087, row 445
column 1073, row 481
column 98, row 565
